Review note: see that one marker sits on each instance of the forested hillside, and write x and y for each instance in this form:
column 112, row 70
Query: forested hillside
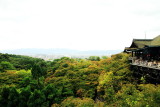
column 67, row 82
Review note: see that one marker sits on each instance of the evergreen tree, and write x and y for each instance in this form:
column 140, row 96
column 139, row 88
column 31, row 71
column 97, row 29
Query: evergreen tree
column 37, row 99
column 37, row 72
column 24, row 96
column 4, row 97
column 13, row 98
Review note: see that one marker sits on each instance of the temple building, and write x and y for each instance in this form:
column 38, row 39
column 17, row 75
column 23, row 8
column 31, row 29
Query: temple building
column 145, row 58
column 145, row 49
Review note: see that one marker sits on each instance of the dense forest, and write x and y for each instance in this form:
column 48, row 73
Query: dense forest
column 68, row 82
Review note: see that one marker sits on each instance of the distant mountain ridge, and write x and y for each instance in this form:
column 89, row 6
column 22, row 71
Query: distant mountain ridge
column 33, row 51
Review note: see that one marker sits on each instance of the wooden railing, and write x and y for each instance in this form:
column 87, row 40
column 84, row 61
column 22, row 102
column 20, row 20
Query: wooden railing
column 145, row 63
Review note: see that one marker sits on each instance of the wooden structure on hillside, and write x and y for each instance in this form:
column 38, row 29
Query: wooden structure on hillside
column 145, row 60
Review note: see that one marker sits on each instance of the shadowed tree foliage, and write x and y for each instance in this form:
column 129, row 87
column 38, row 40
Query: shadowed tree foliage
column 37, row 99
column 24, row 96
column 13, row 98
column 4, row 97
column 37, row 72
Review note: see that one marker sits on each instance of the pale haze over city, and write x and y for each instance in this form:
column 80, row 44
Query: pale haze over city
column 77, row 24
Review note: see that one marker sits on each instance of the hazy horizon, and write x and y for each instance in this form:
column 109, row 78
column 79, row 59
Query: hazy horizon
column 59, row 51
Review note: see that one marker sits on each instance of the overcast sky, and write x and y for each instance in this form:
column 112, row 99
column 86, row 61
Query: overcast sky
column 77, row 24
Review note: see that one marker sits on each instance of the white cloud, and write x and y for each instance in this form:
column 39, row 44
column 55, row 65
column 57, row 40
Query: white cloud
column 76, row 24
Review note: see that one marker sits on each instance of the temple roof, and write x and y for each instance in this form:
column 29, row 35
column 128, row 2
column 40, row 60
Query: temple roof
column 141, row 43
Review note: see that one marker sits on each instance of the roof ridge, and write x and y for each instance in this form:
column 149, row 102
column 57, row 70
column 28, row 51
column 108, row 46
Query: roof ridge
column 156, row 37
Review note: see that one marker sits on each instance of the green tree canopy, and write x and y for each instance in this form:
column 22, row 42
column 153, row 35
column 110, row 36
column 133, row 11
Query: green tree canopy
column 94, row 58
column 4, row 65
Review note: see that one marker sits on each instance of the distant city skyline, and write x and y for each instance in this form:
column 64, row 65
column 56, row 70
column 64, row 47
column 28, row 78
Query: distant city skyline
column 77, row 24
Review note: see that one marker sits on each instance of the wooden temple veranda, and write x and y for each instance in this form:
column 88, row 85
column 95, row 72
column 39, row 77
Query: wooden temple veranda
column 145, row 59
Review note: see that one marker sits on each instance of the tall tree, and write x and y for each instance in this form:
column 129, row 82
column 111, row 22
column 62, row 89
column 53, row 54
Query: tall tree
column 37, row 99
column 24, row 96
column 37, row 72
column 13, row 98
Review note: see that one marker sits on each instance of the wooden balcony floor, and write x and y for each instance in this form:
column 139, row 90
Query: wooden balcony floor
column 151, row 67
